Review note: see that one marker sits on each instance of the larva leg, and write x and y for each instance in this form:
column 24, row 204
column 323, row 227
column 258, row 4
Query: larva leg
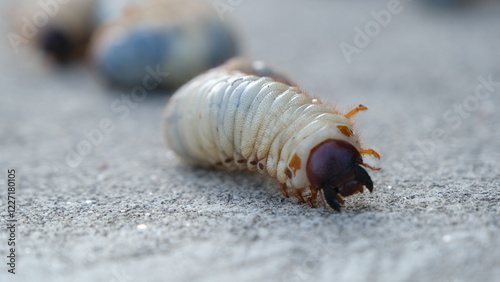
column 298, row 193
column 371, row 167
column 340, row 199
column 284, row 190
column 370, row 152
column 311, row 199
column 355, row 111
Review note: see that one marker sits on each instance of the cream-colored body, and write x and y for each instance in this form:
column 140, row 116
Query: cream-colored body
column 228, row 119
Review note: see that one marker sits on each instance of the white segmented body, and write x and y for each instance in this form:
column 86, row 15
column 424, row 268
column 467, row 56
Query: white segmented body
column 229, row 119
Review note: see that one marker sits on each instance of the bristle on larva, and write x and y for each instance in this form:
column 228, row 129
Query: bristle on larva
column 232, row 118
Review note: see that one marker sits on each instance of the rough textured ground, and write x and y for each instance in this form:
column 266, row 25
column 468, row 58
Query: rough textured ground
column 434, row 215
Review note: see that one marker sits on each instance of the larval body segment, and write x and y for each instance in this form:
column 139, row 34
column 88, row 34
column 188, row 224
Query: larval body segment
column 225, row 118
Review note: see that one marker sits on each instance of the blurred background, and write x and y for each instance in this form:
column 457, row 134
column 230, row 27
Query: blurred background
column 101, row 197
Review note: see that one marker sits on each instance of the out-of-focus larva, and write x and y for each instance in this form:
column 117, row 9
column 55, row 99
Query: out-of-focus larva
column 61, row 29
column 182, row 38
column 231, row 119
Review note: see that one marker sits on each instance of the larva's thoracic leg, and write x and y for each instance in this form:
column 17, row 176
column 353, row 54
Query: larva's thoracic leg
column 371, row 167
column 284, row 190
column 298, row 193
column 311, row 199
column 370, row 152
column 355, row 111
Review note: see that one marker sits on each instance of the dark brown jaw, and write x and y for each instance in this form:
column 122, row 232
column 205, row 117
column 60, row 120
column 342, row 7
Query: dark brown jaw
column 334, row 194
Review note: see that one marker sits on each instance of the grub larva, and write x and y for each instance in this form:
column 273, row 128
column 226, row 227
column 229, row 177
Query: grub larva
column 230, row 119
column 181, row 38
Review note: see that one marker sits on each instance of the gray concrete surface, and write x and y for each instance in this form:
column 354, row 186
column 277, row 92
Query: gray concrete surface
column 434, row 214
